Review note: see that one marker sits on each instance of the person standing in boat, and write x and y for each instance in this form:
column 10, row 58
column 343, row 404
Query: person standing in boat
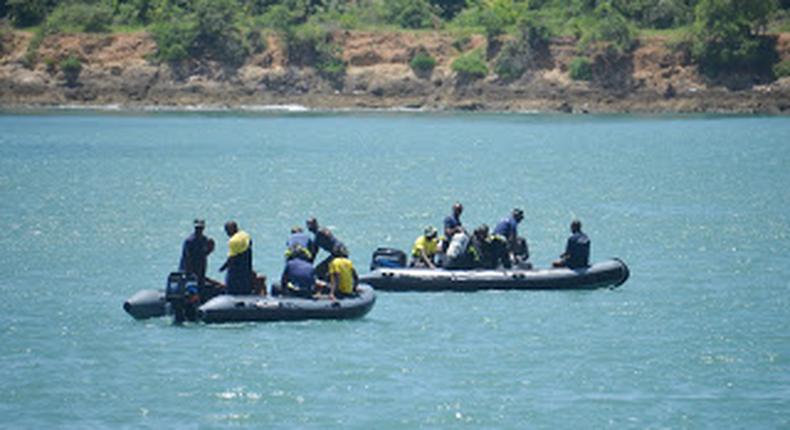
column 425, row 248
column 322, row 239
column 577, row 249
column 195, row 252
column 508, row 230
column 452, row 224
column 239, row 274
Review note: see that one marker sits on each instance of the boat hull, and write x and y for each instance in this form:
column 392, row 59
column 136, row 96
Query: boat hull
column 606, row 274
column 229, row 308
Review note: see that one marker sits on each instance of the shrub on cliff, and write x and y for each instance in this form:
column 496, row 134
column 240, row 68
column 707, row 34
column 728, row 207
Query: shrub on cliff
column 80, row 17
column 782, row 69
column 726, row 36
column 312, row 45
column 528, row 50
column 71, row 67
column 581, row 69
column 422, row 64
column 470, row 66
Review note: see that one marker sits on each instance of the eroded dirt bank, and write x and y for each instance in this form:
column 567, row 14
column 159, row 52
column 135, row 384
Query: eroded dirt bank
column 116, row 70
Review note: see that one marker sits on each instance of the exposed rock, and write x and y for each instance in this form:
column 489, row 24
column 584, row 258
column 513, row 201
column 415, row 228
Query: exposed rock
column 116, row 70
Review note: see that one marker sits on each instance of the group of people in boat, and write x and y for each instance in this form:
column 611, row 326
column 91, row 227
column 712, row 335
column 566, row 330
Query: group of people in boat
column 333, row 278
column 485, row 249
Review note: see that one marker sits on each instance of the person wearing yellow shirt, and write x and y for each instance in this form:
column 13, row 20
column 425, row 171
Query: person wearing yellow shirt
column 239, row 263
column 343, row 279
column 425, row 248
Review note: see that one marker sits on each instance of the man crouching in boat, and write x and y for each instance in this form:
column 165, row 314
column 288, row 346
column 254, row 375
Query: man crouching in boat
column 425, row 249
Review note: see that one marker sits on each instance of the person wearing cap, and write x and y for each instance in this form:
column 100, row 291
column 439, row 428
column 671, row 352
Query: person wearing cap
column 508, row 229
column 322, row 239
column 239, row 276
column 577, row 249
column 195, row 252
column 425, row 248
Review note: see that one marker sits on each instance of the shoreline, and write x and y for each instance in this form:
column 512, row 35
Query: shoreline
column 117, row 75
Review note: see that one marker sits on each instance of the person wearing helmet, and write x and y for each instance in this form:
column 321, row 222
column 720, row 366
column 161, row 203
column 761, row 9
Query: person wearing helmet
column 425, row 248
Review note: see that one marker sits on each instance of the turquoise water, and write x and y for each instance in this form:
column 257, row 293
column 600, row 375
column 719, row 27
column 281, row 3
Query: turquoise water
column 93, row 207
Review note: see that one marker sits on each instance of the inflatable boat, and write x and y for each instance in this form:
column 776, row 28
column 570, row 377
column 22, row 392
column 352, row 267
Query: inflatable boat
column 387, row 277
column 237, row 308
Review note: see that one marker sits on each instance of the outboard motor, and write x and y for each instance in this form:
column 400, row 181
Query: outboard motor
column 388, row 257
column 182, row 292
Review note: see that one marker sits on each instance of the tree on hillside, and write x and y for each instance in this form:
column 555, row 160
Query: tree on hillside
column 727, row 36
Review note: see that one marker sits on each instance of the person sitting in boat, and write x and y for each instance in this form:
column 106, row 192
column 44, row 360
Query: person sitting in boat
column 343, row 278
column 488, row 251
column 239, row 276
column 322, row 239
column 298, row 278
column 298, row 245
column 452, row 225
column 508, row 230
column 425, row 249
column 459, row 255
column 577, row 249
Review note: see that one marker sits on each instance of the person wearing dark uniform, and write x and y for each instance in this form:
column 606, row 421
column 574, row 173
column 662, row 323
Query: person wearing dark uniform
column 322, row 239
column 298, row 278
column 239, row 263
column 577, row 249
column 452, row 225
column 507, row 229
column 195, row 252
column 488, row 251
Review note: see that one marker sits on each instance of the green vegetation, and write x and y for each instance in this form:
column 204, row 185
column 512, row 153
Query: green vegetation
column 581, row 69
column 422, row 64
column 727, row 36
column 71, row 67
column 782, row 69
column 721, row 35
column 470, row 66
column 527, row 51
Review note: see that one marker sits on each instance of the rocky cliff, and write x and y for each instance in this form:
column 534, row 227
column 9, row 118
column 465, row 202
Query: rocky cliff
column 118, row 70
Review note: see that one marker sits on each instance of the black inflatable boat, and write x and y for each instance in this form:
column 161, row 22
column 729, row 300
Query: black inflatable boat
column 232, row 308
column 386, row 276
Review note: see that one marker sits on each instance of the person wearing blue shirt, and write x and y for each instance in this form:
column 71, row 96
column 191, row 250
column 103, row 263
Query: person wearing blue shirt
column 452, row 223
column 508, row 230
column 298, row 278
column 299, row 244
column 577, row 249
